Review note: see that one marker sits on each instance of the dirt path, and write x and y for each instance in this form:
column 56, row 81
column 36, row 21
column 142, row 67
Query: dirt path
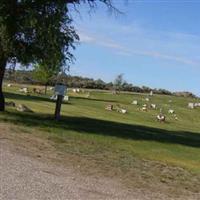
column 23, row 177
column 30, row 175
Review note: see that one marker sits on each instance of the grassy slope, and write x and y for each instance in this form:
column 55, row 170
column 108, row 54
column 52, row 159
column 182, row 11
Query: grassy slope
column 124, row 141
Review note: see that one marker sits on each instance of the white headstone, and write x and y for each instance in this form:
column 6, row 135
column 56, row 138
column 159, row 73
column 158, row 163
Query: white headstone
column 135, row 102
column 66, row 98
column 191, row 105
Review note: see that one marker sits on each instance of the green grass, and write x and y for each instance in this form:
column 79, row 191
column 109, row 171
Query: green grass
column 87, row 129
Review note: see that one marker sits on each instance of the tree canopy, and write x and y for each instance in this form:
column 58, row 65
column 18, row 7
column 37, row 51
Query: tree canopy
column 118, row 82
column 37, row 31
column 44, row 74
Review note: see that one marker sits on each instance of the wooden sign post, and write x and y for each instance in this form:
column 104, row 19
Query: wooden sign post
column 60, row 92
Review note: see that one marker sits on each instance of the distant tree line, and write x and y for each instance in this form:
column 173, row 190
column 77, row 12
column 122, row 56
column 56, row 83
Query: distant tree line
column 28, row 77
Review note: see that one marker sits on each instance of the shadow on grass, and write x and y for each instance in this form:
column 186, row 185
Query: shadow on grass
column 23, row 97
column 94, row 99
column 102, row 127
column 15, row 96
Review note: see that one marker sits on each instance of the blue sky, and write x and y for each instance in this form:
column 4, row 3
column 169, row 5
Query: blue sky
column 154, row 43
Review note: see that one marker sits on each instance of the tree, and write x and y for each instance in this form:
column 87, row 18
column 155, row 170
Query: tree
column 118, row 82
column 45, row 74
column 99, row 84
column 37, row 31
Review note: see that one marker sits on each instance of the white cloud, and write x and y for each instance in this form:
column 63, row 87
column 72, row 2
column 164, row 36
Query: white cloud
column 85, row 38
column 126, row 51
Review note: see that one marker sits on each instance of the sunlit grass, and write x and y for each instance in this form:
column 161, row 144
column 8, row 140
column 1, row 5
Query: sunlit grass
column 88, row 129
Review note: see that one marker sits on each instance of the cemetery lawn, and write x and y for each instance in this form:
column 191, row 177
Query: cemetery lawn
column 133, row 146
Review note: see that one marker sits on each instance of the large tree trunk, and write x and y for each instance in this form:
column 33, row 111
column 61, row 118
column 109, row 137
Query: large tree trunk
column 2, row 71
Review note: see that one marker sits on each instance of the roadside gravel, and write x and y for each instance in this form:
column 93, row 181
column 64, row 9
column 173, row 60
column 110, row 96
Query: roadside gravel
column 31, row 176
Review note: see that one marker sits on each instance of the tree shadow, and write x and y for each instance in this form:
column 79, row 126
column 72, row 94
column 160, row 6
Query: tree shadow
column 94, row 99
column 106, row 128
column 25, row 97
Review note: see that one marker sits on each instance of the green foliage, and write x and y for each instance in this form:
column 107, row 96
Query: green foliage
column 36, row 31
column 44, row 73
column 118, row 82
column 39, row 31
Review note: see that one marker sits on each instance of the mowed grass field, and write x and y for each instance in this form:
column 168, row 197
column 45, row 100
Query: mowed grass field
column 133, row 144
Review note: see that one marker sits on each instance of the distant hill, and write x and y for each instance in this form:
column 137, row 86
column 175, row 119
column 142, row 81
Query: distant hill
column 184, row 94
column 26, row 77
